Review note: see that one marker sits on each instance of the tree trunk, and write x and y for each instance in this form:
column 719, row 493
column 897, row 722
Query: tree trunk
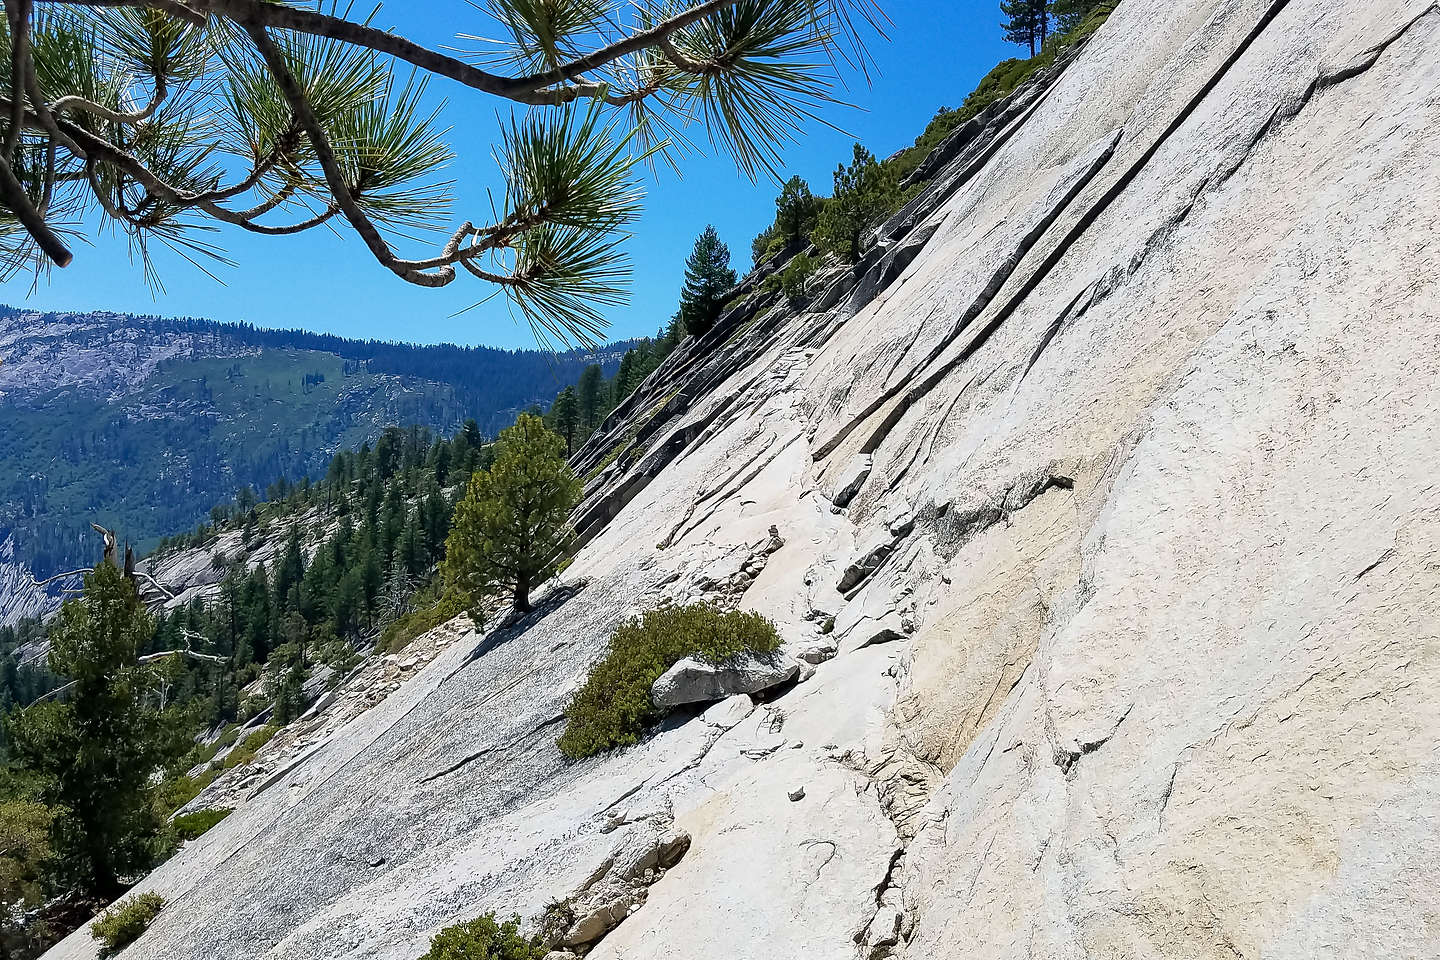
column 522, row 594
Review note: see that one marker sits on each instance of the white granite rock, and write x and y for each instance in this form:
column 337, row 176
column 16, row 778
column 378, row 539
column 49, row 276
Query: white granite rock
column 1153, row 413
column 696, row 681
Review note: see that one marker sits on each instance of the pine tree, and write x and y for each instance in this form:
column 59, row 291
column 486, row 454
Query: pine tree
column 707, row 277
column 565, row 417
column 864, row 193
column 511, row 527
column 291, row 567
column 1027, row 22
column 795, row 211
column 588, row 395
column 95, row 753
column 625, row 381
column 289, row 684
column 1066, row 15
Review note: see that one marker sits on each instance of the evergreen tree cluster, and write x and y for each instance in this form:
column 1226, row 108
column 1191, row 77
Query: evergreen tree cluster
column 88, row 778
column 1031, row 23
column 357, row 545
column 70, row 458
column 864, row 192
column 577, row 412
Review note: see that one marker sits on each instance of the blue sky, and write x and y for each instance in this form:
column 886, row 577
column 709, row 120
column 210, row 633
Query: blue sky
column 936, row 53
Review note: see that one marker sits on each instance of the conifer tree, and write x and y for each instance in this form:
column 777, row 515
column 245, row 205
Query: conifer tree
column 1066, row 15
column 588, row 396
column 707, row 277
column 864, row 193
column 95, row 753
column 625, row 377
column 795, row 211
column 1027, row 22
column 511, row 528
column 565, row 417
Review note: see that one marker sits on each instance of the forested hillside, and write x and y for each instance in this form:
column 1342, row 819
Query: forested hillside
column 142, row 424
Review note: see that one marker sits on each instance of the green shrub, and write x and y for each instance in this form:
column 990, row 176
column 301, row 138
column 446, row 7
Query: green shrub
column 767, row 244
column 192, row 826
column 484, row 939
column 792, row 280
column 796, row 275
column 178, row 791
column 250, row 746
column 123, row 923
column 613, row 708
column 225, row 739
column 866, row 192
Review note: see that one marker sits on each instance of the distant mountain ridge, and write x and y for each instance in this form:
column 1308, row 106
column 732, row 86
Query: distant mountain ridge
column 143, row 423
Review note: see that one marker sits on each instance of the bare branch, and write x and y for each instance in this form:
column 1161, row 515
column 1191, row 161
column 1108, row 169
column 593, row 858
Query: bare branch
column 60, row 576
column 209, row 657
column 76, row 102
column 155, row 583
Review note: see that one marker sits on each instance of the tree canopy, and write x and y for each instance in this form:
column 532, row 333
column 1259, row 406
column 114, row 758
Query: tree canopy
column 511, row 528
column 163, row 119
column 96, row 752
column 864, row 192
column 795, row 211
column 1027, row 22
column 707, row 277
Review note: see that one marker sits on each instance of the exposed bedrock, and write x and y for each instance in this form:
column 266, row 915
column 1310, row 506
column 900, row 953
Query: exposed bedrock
column 1107, row 524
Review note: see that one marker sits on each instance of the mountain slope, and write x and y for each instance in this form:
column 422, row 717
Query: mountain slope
column 142, row 424
column 1111, row 468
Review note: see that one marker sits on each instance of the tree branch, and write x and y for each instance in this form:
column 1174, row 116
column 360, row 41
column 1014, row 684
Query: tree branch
column 172, row 7
column 633, row 43
column 60, row 576
column 209, row 657
column 334, row 178
column 18, row 13
column 13, row 195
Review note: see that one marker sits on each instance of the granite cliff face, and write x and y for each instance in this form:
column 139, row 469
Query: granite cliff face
column 1113, row 464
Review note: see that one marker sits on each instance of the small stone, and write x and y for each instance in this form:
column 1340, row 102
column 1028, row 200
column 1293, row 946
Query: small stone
column 884, row 929
column 797, row 794
column 730, row 711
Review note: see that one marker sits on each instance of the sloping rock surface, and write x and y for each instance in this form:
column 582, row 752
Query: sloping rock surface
column 1151, row 419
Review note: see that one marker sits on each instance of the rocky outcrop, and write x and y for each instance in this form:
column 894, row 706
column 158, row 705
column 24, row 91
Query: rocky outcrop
column 1132, row 615
column 696, row 681
column 19, row 596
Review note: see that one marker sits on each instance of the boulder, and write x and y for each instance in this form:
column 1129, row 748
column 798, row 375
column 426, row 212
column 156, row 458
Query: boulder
column 694, row 681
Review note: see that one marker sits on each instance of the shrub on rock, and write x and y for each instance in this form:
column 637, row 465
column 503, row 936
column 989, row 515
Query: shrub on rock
column 614, row 707
column 192, row 826
column 123, row 923
column 484, row 938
